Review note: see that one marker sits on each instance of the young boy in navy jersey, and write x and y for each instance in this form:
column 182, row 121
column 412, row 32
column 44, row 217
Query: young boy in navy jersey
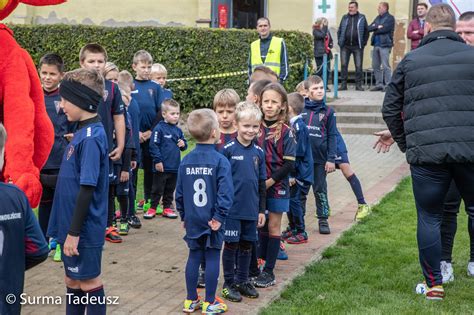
column 51, row 71
column 203, row 198
column 321, row 123
column 22, row 244
column 247, row 161
column 224, row 105
column 159, row 75
column 302, row 177
column 79, row 213
column 167, row 142
column 149, row 96
column 125, row 82
column 94, row 56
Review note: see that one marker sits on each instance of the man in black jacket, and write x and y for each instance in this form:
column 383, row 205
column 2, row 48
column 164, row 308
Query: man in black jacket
column 352, row 37
column 433, row 87
column 382, row 39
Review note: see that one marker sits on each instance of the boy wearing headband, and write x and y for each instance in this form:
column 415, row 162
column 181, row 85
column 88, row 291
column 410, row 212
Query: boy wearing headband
column 79, row 213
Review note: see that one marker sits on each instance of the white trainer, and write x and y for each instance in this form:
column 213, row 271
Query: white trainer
column 470, row 269
column 447, row 271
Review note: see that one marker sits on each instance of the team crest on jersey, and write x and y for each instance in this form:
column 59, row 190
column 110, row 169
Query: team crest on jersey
column 106, row 94
column 70, row 152
column 256, row 161
column 56, row 104
column 150, row 91
column 321, row 116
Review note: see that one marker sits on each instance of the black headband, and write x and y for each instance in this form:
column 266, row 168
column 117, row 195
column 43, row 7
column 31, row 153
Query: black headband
column 80, row 95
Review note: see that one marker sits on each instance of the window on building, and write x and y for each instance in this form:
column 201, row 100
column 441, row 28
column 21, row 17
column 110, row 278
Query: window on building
column 247, row 12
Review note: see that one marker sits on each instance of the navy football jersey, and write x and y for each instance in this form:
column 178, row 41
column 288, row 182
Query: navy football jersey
column 20, row 238
column 204, row 190
column 149, row 96
column 109, row 106
column 85, row 162
column 134, row 113
column 224, row 139
column 248, row 168
column 277, row 149
column 61, row 127
column 304, row 157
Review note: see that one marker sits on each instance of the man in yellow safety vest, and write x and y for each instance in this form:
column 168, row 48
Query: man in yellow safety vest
column 268, row 51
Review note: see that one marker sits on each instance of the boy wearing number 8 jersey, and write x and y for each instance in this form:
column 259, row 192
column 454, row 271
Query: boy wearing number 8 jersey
column 203, row 198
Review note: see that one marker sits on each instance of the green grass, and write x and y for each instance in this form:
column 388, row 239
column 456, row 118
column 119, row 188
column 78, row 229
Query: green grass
column 373, row 269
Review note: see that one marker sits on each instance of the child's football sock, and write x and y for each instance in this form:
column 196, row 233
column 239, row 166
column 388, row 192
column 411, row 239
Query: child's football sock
column 262, row 245
column 356, row 188
column 228, row 262
column 243, row 261
column 73, row 305
column 123, row 203
column 191, row 273
column 272, row 252
column 100, row 307
column 212, row 273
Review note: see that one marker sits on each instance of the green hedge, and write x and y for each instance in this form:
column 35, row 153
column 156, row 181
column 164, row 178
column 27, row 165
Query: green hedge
column 186, row 52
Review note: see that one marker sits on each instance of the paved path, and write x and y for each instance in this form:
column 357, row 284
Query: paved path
column 146, row 271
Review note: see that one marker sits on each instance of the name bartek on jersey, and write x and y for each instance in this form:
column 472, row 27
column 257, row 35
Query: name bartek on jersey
column 199, row 171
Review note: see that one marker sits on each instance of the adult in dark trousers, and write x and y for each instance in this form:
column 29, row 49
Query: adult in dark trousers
column 432, row 87
column 269, row 51
column 22, row 244
column 382, row 39
column 352, row 37
column 322, row 46
column 415, row 30
column 465, row 28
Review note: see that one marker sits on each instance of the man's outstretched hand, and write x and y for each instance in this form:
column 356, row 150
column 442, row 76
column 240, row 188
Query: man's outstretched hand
column 384, row 141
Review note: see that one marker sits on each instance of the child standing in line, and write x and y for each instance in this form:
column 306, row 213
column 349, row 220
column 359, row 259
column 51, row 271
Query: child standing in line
column 166, row 144
column 247, row 161
column 255, row 89
column 321, row 123
column 204, row 194
column 224, row 105
column 79, row 213
column 51, row 71
column 278, row 143
column 159, row 75
column 125, row 81
column 111, row 72
column 149, row 96
column 302, row 178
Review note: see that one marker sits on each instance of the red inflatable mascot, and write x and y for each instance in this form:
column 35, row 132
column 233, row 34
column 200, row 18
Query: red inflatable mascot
column 22, row 110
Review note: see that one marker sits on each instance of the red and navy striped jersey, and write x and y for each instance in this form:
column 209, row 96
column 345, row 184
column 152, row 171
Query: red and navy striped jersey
column 277, row 149
column 224, row 139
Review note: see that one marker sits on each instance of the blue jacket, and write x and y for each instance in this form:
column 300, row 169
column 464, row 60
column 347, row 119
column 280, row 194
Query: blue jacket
column 383, row 37
column 321, row 123
column 304, row 156
column 164, row 146
column 363, row 34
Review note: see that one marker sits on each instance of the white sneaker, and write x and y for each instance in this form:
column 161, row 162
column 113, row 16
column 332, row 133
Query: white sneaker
column 447, row 271
column 470, row 269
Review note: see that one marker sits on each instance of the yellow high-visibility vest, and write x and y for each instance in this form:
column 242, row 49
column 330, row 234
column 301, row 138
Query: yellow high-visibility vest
column 273, row 58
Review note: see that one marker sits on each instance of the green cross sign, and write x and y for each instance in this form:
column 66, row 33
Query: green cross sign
column 324, row 6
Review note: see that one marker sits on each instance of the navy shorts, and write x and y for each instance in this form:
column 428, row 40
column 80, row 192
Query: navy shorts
column 236, row 230
column 213, row 240
column 341, row 158
column 86, row 266
column 123, row 188
column 278, row 205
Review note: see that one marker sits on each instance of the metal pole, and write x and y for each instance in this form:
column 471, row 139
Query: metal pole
column 336, row 73
column 325, row 74
column 305, row 73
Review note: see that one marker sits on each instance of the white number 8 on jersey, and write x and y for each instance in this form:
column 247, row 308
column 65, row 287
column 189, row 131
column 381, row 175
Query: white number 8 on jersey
column 200, row 196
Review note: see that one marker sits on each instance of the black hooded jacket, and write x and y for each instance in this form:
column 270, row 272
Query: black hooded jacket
column 429, row 105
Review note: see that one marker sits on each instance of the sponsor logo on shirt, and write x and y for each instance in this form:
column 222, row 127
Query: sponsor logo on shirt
column 238, row 158
column 167, row 136
column 231, row 233
column 10, row 216
column 281, row 192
